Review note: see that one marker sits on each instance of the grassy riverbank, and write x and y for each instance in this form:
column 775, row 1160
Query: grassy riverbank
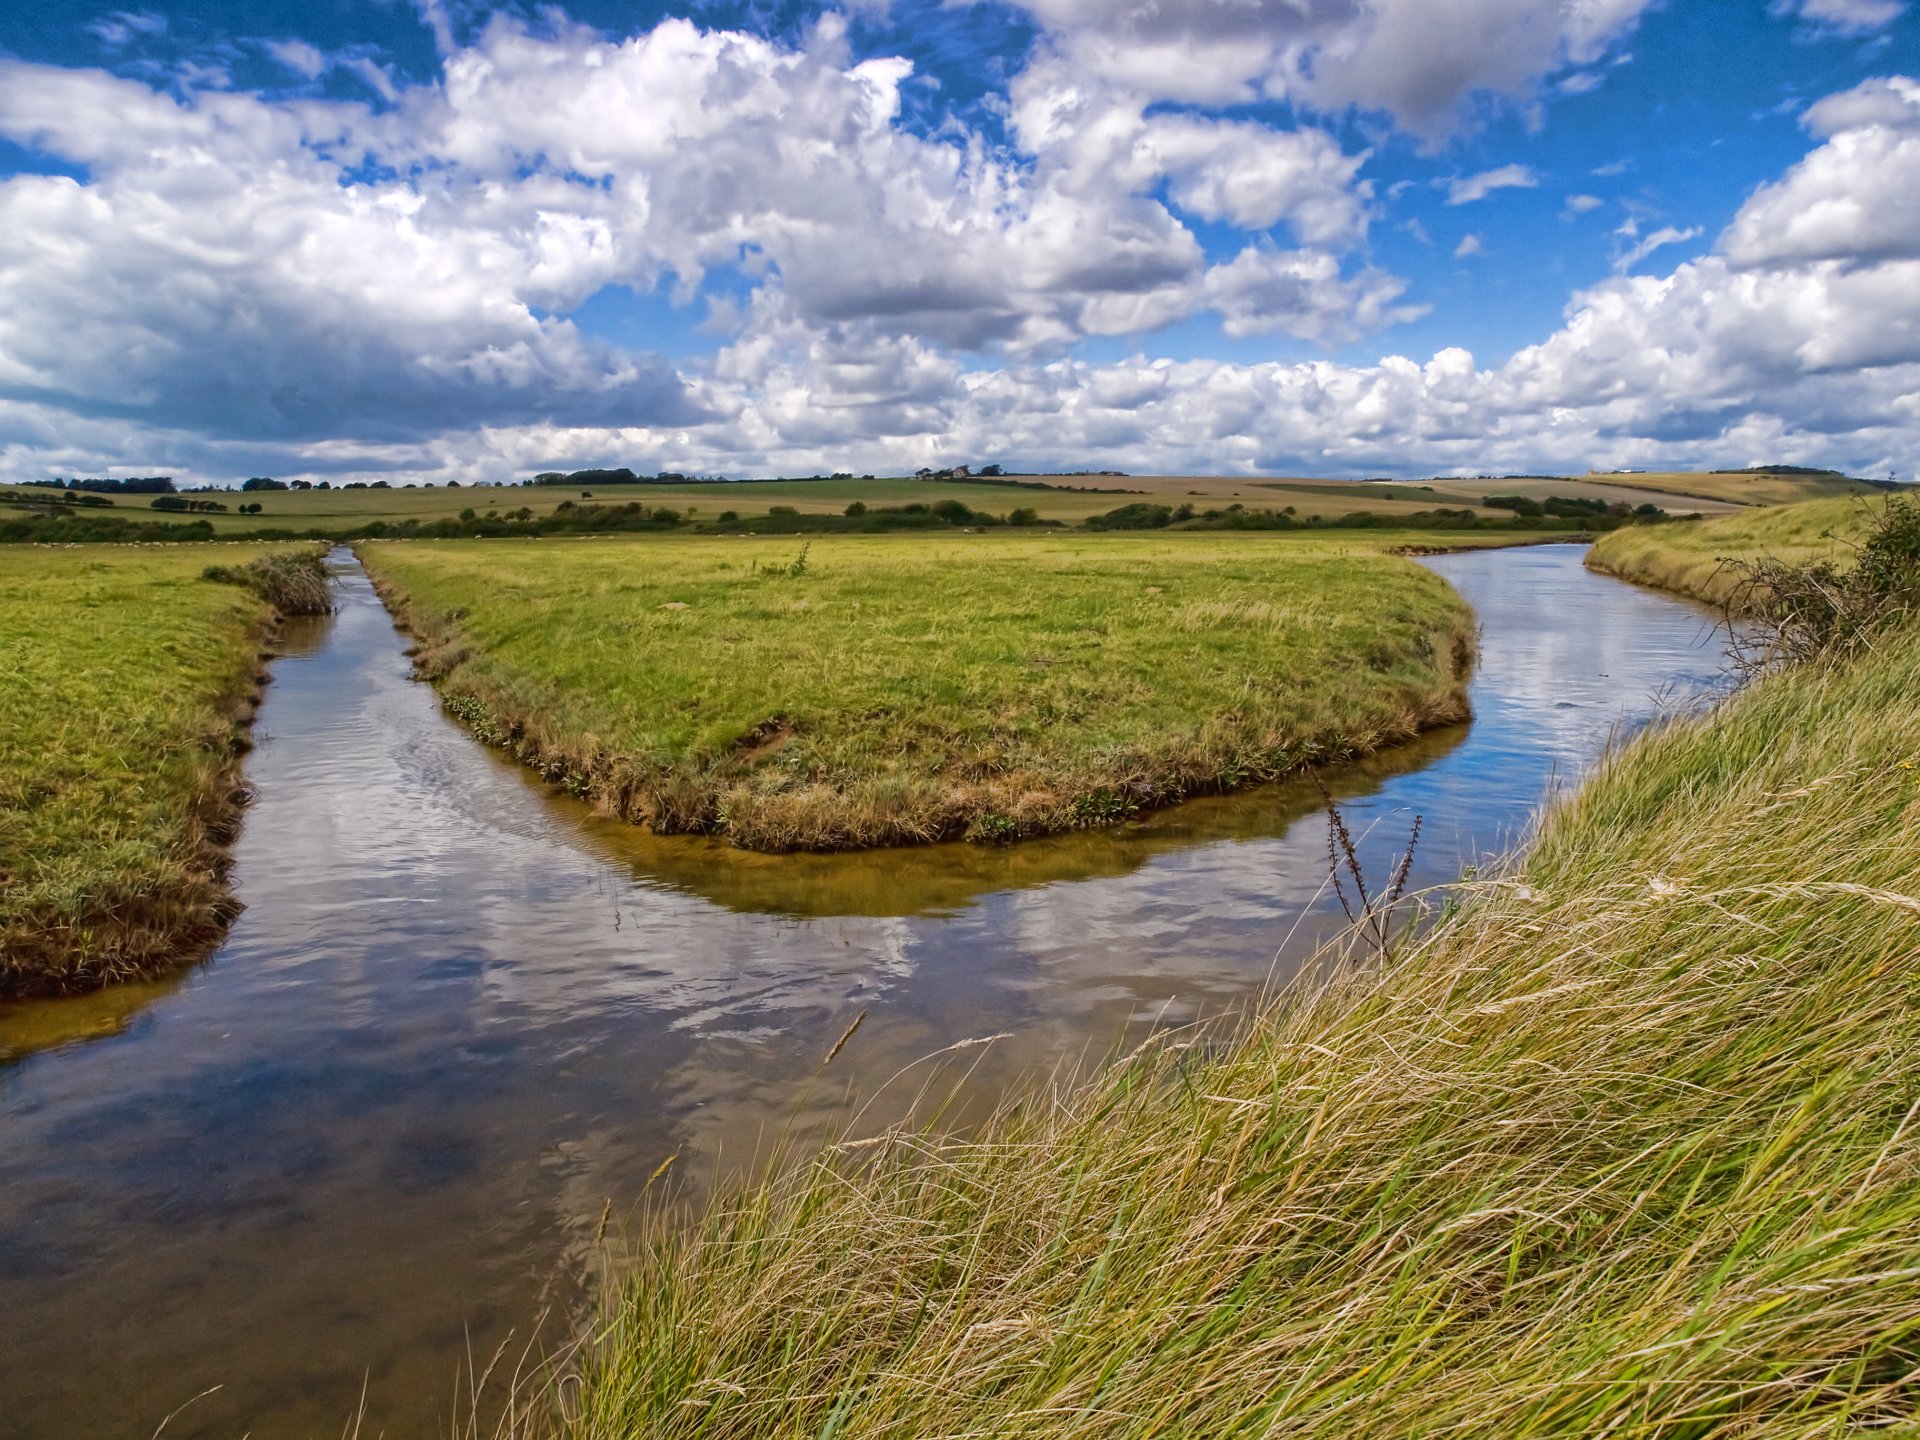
column 1629, row 1148
column 1691, row 559
column 126, row 683
column 891, row 690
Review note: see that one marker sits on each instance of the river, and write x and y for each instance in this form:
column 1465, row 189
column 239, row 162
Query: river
column 377, row 1132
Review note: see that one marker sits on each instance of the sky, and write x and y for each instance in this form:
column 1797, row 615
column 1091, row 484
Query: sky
column 374, row 239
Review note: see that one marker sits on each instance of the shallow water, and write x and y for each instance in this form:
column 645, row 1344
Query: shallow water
column 377, row 1132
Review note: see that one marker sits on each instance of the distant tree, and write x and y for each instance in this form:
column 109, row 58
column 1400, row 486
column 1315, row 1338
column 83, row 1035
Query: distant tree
column 857, row 509
column 264, row 482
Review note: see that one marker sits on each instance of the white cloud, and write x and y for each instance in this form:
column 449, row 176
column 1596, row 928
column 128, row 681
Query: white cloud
column 299, row 57
column 1843, row 17
column 1468, row 246
column 1423, row 62
column 315, row 300
column 120, row 27
column 228, row 292
column 1301, row 292
column 1855, row 199
column 1659, row 239
column 1466, row 189
column 1583, row 204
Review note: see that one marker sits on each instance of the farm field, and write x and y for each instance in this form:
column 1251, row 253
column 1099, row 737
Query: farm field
column 1066, row 499
column 887, row 690
column 125, row 683
column 1740, row 487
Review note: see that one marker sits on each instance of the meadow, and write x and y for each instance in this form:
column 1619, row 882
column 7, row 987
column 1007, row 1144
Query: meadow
column 1692, row 559
column 126, row 682
column 1627, row 1145
column 861, row 691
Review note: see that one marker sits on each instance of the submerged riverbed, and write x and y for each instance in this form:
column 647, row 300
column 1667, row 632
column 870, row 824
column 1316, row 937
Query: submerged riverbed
column 378, row 1131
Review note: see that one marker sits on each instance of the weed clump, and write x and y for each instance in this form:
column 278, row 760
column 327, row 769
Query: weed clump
column 1791, row 614
column 294, row 584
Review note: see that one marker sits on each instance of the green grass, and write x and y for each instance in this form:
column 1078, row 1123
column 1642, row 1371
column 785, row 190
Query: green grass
column 1688, row 558
column 125, row 683
column 905, row 689
column 1628, row 1148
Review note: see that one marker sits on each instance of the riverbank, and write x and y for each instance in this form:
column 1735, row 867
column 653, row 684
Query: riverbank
column 1691, row 559
column 130, row 682
column 1626, row 1147
column 849, row 693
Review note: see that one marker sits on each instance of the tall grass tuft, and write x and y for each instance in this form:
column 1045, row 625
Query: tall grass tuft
column 1629, row 1147
column 293, row 582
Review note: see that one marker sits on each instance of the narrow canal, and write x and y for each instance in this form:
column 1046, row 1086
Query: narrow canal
column 376, row 1133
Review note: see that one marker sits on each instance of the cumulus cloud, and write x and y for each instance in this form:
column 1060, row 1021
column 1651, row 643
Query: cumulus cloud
column 1422, row 62
column 309, row 269
column 245, row 286
column 1469, row 245
column 1854, row 199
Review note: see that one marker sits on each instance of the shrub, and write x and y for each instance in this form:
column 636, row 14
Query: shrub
column 1795, row 613
column 293, row 583
column 1138, row 516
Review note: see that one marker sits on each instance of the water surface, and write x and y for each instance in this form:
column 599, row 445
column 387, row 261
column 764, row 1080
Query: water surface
column 378, row 1130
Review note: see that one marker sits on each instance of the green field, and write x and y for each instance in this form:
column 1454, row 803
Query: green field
column 865, row 691
column 1691, row 559
column 1628, row 1147
column 125, row 684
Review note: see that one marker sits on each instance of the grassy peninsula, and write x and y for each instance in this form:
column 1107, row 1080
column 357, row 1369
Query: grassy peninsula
column 127, row 678
column 852, row 692
column 1629, row 1146
column 1693, row 560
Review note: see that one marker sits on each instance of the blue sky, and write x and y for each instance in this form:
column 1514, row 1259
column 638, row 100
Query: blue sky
column 1342, row 237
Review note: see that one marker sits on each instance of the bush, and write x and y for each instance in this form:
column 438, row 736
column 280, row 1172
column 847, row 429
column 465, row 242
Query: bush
column 1795, row 613
column 856, row 509
column 1138, row 516
column 294, row 584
